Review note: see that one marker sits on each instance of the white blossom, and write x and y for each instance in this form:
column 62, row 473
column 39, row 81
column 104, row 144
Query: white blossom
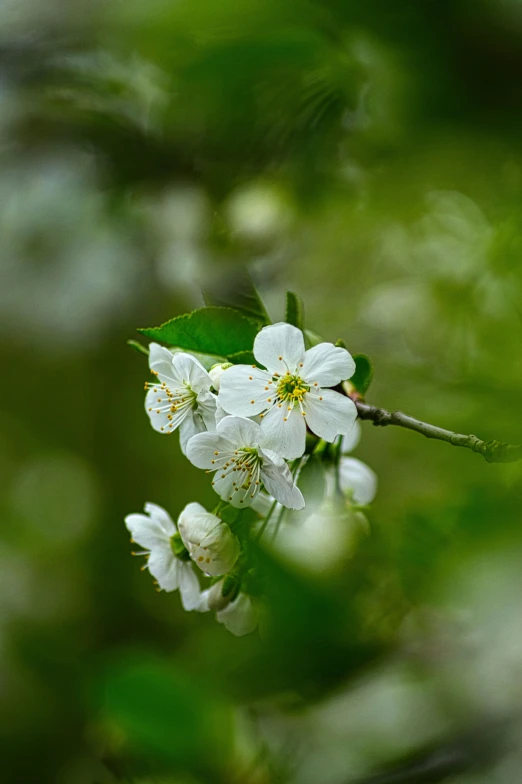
column 180, row 397
column 293, row 390
column 237, row 453
column 156, row 533
column 239, row 616
column 215, row 373
column 357, row 478
column 209, row 541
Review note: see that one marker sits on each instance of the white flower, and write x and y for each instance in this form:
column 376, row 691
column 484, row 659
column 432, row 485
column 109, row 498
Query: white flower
column 157, row 534
column 357, row 478
column 237, row 452
column 215, row 373
column 239, row 616
column 291, row 389
column 209, row 541
column 181, row 396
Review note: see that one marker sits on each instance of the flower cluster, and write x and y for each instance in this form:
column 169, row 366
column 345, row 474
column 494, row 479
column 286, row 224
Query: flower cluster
column 253, row 429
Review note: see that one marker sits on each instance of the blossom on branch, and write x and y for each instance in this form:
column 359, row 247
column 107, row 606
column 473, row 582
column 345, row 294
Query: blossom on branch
column 238, row 454
column 167, row 559
column 293, row 390
column 180, row 397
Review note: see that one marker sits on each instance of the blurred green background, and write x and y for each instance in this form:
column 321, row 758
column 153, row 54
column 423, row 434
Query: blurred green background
column 368, row 156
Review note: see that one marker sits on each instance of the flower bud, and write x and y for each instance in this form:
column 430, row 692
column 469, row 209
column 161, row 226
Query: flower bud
column 210, row 542
column 215, row 373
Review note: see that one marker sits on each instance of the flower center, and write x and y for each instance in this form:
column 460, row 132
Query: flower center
column 244, row 465
column 175, row 403
column 292, row 389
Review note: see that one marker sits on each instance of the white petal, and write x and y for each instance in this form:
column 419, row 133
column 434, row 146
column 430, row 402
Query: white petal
column 207, row 407
column 351, row 439
column 218, row 551
column 190, row 372
column 278, row 481
column 163, row 565
column 195, row 523
column 191, row 426
column 157, row 512
column 202, row 605
column 220, row 414
column 239, row 617
column 146, row 532
column 330, row 416
column 280, row 347
column 356, row 476
column 327, row 364
column 157, row 406
column 160, row 360
column 262, row 503
column 200, row 449
column 188, row 586
column 244, row 390
column 239, row 431
column 284, row 431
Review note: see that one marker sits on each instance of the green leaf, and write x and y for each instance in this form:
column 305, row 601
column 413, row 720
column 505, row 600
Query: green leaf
column 162, row 713
column 243, row 358
column 312, row 338
column 294, row 310
column 363, row 375
column 237, row 517
column 236, row 290
column 138, row 347
column 219, row 331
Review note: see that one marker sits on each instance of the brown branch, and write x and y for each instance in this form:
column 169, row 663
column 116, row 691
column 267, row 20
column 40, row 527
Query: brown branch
column 491, row 451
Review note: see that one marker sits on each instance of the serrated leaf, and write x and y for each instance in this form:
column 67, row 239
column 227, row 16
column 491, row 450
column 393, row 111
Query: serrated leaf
column 218, row 331
column 236, row 290
column 363, row 375
column 294, row 310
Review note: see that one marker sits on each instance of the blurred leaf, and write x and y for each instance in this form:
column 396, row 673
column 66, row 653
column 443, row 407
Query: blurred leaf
column 294, row 310
column 362, row 378
column 212, row 330
column 312, row 480
column 236, row 291
column 312, row 338
column 162, row 713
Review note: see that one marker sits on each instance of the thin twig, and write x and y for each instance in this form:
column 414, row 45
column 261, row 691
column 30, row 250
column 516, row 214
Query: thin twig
column 491, row 451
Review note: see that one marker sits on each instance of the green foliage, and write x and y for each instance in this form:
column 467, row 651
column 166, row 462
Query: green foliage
column 312, row 481
column 236, row 291
column 362, row 378
column 213, row 330
column 162, row 713
column 294, row 310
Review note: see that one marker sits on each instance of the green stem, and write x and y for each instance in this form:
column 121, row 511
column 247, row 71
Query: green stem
column 491, row 451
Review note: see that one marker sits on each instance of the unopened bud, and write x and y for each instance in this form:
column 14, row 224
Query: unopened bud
column 216, row 371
